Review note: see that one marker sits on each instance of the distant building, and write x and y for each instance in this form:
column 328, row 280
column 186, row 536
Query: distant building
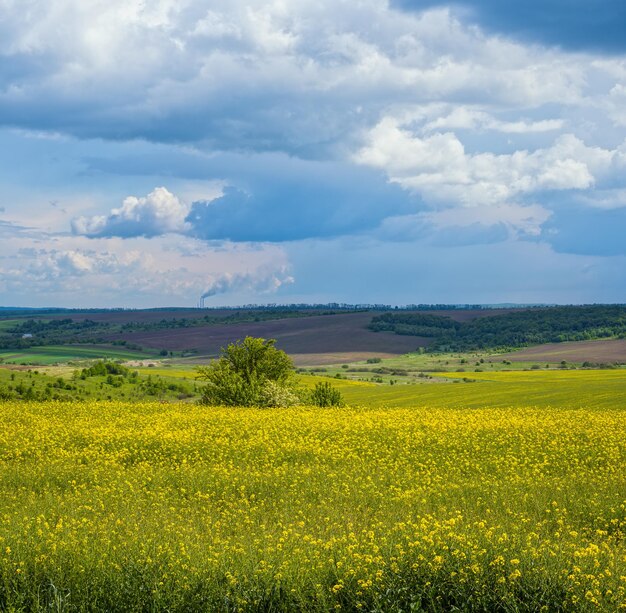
column 27, row 336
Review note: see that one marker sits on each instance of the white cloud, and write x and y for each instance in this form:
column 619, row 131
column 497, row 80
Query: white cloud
column 617, row 104
column 479, row 126
column 263, row 281
column 277, row 75
column 438, row 167
column 471, row 225
column 524, row 219
column 160, row 212
column 463, row 117
column 171, row 270
column 606, row 199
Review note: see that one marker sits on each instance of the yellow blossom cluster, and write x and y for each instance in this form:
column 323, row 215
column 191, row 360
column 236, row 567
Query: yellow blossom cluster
column 134, row 507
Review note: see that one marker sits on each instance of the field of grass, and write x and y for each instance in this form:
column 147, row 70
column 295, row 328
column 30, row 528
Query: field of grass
column 54, row 354
column 555, row 388
column 6, row 324
column 412, row 367
column 506, row 388
column 66, row 384
column 151, row 507
column 175, row 371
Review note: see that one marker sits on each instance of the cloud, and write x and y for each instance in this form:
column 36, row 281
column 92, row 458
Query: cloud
column 596, row 25
column 462, row 117
column 262, row 281
column 50, row 269
column 606, row 198
column 466, row 226
column 171, row 270
column 267, row 199
column 160, row 212
column 299, row 77
column 330, row 200
column 617, row 103
column 438, row 167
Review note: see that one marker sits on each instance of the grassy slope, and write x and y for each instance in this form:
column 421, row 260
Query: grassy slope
column 541, row 388
column 60, row 384
column 5, row 324
column 53, row 354
column 573, row 389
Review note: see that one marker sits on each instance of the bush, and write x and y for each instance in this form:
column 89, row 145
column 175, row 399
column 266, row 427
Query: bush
column 251, row 372
column 325, row 395
column 102, row 368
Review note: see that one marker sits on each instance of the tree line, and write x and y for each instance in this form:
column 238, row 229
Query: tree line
column 507, row 330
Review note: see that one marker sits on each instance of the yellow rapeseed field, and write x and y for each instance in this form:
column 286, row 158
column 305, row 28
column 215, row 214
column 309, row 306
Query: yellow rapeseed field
column 153, row 507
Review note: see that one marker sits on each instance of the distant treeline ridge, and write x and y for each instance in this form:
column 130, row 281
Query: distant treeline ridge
column 517, row 329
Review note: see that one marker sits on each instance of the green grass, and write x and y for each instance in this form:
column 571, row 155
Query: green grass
column 55, row 354
column 411, row 366
column 65, row 383
column 556, row 388
column 176, row 372
column 506, row 388
column 5, row 324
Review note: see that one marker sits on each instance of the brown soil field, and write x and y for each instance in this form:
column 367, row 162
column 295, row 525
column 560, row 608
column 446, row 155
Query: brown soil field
column 311, row 340
column 304, row 338
column 582, row 351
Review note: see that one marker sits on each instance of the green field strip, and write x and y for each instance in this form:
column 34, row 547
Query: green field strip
column 569, row 389
column 58, row 353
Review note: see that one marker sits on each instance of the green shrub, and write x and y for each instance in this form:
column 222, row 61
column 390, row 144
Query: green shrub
column 325, row 395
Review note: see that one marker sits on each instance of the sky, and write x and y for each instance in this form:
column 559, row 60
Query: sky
column 406, row 151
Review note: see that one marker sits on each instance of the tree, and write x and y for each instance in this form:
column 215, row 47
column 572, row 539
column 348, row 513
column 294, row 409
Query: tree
column 251, row 372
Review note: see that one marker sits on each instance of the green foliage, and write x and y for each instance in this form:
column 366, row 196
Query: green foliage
column 516, row 329
column 103, row 368
column 42, row 332
column 126, row 384
column 413, row 324
column 251, row 372
column 325, row 395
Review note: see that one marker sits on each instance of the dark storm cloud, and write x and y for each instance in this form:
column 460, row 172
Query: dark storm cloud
column 298, row 208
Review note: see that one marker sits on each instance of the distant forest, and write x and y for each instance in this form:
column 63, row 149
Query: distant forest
column 506, row 330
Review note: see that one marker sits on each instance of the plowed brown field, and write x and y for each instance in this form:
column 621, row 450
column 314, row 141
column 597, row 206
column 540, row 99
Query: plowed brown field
column 582, row 351
column 322, row 338
column 310, row 340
